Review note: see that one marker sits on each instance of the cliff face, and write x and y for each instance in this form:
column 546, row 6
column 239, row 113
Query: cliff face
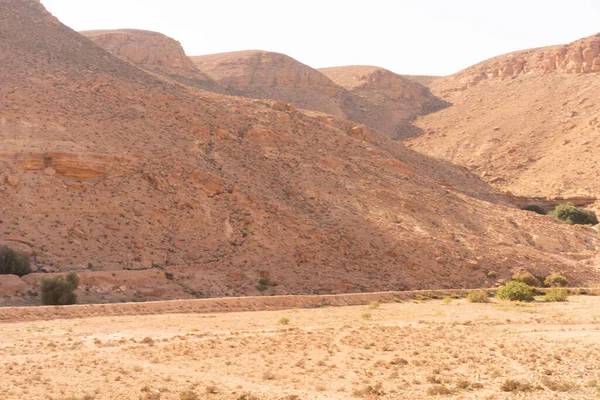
column 153, row 52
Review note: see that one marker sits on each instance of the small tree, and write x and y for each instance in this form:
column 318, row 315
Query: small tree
column 515, row 291
column 573, row 215
column 13, row 263
column 59, row 291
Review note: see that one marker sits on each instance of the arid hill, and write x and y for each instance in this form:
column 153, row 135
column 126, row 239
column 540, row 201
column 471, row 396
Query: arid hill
column 267, row 75
column 387, row 101
column 150, row 190
column 527, row 122
column 372, row 96
column 155, row 53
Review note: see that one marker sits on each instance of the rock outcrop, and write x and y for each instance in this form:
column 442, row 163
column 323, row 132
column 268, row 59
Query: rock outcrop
column 153, row 52
column 579, row 57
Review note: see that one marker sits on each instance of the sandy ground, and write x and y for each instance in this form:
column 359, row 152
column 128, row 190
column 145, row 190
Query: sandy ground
column 408, row 350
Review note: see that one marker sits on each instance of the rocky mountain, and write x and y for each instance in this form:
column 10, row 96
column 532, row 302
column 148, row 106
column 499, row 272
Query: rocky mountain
column 527, row 122
column 150, row 190
column 155, row 53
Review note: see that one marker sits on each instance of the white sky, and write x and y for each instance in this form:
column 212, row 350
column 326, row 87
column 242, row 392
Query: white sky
column 429, row 37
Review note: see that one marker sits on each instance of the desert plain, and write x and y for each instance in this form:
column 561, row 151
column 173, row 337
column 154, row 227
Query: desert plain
column 411, row 349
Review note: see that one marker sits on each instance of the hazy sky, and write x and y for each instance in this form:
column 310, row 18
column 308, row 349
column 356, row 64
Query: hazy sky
column 434, row 37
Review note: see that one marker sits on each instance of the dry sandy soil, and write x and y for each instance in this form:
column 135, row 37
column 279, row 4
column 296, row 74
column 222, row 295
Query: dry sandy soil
column 402, row 350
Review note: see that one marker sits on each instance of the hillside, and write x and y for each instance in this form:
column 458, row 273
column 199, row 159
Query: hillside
column 267, row 75
column 368, row 95
column 522, row 119
column 389, row 101
column 150, row 190
column 155, row 53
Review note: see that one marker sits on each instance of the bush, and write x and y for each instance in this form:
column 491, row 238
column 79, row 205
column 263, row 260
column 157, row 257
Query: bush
column 479, row 296
column 556, row 280
column 515, row 291
column 58, row 291
column 13, row 263
column 535, row 208
column 556, row 294
column 527, row 278
column 573, row 215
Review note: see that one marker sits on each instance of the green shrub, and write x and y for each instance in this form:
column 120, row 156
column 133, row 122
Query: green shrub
column 59, row 291
column 515, row 291
column 527, row 278
column 12, row 263
column 556, row 294
column 535, row 208
column 556, row 280
column 479, row 296
column 573, row 215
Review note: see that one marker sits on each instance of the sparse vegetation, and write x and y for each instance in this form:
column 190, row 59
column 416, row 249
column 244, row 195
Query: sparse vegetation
column 366, row 315
column 556, row 280
column 59, row 291
column 447, row 299
column 188, row 395
column 370, row 390
column 557, row 385
column 439, row 390
column 374, row 305
column 527, row 278
column 283, row 321
column 556, row 294
column 478, row 296
column 515, row 291
column 512, row 385
column 535, row 208
column 13, row 263
column 574, row 215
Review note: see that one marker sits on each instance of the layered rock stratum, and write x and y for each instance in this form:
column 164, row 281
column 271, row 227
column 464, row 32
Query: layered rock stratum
column 150, row 190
